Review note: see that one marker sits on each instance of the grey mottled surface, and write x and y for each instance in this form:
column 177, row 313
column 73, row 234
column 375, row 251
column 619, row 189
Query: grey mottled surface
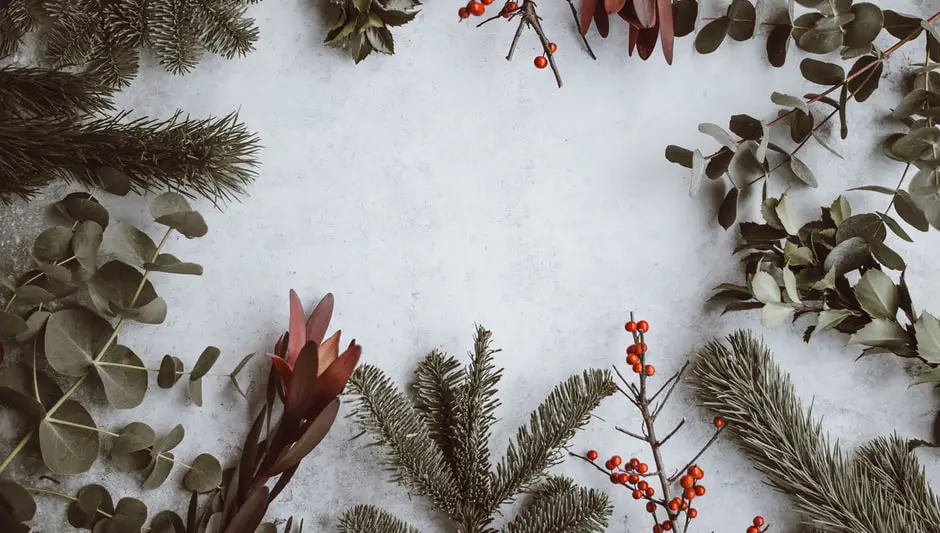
column 445, row 186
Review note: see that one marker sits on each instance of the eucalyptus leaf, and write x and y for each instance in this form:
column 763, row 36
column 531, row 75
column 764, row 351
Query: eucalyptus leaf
column 678, row 155
column 113, row 181
column 17, row 500
column 12, row 325
column 124, row 385
column 787, row 215
column 802, row 24
column 684, row 14
column 233, row 377
column 777, row 44
column 134, row 247
column 33, row 294
column 85, row 244
column 34, row 326
column 910, row 212
column 134, row 437
column 171, row 370
column 68, row 450
column 189, row 223
column 130, row 515
column 885, row 255
column 833, row 22
column 743, row 17
column 205, row 474
column 52, row 245
column 863, row 85
column 728, row 211
column 710, row 37
column 801, row 171
column 131, row 461
column 912, row 102
column 831, row 318
column 159, row 470
column 895, row 227
column 866, row 225
column 195, row 392
column 801, row 125
column 83, row 513
column 169, row 203
column 847, row 256
column 877, row 294
column 821, row 72
column 787, row 100
column 173, row 438
column 880, row 332
column 23, row 403
column 927, row 333
column 114, row 290
column 19, row 377
column 718, row 165
column 153, row 312
column 80, row 206
column 719, row 134
column 167, row 522
column 698, row 172
column 57, row 273
column 821, row 41
column 931, row 29
column 172, row 265
column 74, row 338
column 204, row 363
column 861, row 32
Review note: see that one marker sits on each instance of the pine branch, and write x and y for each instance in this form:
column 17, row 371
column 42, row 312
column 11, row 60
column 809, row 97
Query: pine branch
column 369, row 519
column 901, row 477
column 227, row 31
column 173, row 34
column 74, row 31
column 537, row 447
column 126, row 22
column 15, row 21
column 32, row 92
column 386, row 415
column 214, row 158
column 740, row 381
column 476, row 402
column 436, row 380
column 563, row 507
column 112, row 65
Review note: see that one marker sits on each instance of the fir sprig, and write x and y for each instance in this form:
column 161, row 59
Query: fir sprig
column 33, row 92
column 881, row 489
column 454, row 410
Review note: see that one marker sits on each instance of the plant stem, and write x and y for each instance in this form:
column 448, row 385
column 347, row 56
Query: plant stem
column 896, row 189
column 143, row 280
column 81, row 426
column 65, row 496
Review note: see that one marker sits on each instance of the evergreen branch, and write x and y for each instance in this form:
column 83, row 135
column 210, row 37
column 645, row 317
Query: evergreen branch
column 173, row 34
column 32, row 92
column 74, row 32
column 538, row 446
column 15, row 21
column 112, row 65
column 436, row 380
column 369, row 519
column 214, row 158
column 227, row 31
column 740, row 381
column 126, row 22
column 385, row 413
column 476, row 402
column 563, row 507
column 900, row 476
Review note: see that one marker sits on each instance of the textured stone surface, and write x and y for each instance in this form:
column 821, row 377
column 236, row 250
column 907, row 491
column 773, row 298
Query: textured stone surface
column 445, row 186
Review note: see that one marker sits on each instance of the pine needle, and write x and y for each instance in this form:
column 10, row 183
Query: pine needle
column 369, row 519
column 436, row 380
column 33, row 92
column 882, row 490
column 562, row 507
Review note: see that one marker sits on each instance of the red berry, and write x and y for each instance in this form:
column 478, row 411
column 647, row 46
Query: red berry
column 463, row 13
column 667, row 526
column 634, row 478
column 637, row 368
column 614, row 478
column 650, row 507
column 634, row 462
column 759, row 521
column 592, row 454
column 753, row 529
column 696, row 472
column 650, row 370
column 642, row 468
column 689, row 494
column 616, row 460
column 657, row 529
column 541, row 62
column 631, row 325
column 700, row 490
column 674, row 505
column 476, row 8
column 693, row 513
column 684, row 506
column 637, row 494
column 642, row 485
column 633, row 359
column 486, row 2
column 650, row 492
column 631, row 349
column 608, row 465
column 719, row 422
column 622, row 478
column 643, row 326
column 686, row 481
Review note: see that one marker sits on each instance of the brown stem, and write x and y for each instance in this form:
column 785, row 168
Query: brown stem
column 699, row 454
column 900, row 183
column 532, row 19
column 577, row 24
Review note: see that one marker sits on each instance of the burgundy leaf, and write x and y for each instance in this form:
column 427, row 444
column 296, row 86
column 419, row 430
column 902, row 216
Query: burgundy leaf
column 666, row 28
column 280, row 347
column 295, row 341
column 282, row 367
column 646, row 42
column 587, row 11
column 319, row 319
column 614, row 6
column 313, row 433
column 249, row 516
column 250, row 456
column 303, row 385
column 329, row 350
column 281, row 483
column 628, row 13
column 634, row 35
column 333, row 380
column 646, row 12
column 602, row 22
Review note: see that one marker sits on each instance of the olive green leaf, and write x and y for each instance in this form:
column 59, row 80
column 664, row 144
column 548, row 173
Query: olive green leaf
column 895, row 227
column 773, row 314
column 865, row 27
column 885, row 255
column 847, row 256
column 810, row 3
column 153, row 312
column 834, row 22
column 158, row 471
column 267, row 527
column 205, row 362
column 18, row 501
column 710, row 37
column 821, row 40
column 33, row 294
column 787, row 100
column 57, row 273
column 719, row 163
column 233, row 377
column 927, row 333
column 133, row 246
column 34, row 326
column 764, row 288
column 909, row 211
column 22, row 402
column 205, row 474
column 797, row 255
column 877, row 294
column 214, row 525
column 81, row 206
column 745, row 126
column 777, row 43
column 698, row 171
column 49, row 286
column 728, row 211
column 840, row 210
column 768, row 209
column 931, row 376
column 801, row 171
column 831, row 318
column 787, row 215
column 134, row 437
column 172, row 209
column 821, row 72
column 83, row 512
column 684, row 14
column 85, row 244
column 802, row 24
column 52, row 245
column 789, row 282
column 114, row 290
column 679, row 155
column 743, row 18
column 719, row 134
column 916, row 143
column 171, row 369
column 19, row 377
column 925, row 191
column 195, row 392
column 129, row 516
column 74, row 338
column 172, row 265
column 113, row 181
column 124, row 377
column 172, row 439
column 801, row 125
column 866, row 225
column 6, row 281
column 67, row 449
column 12, row 325
column 911, row 104
column 167, row 522
column 880, row 332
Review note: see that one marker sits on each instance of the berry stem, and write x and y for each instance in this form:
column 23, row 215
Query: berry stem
column 699, row 454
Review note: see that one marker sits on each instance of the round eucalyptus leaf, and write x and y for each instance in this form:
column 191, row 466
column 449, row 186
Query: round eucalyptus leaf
column 863, row 85
column 56, row 272
column 205, row 475
column 34, row 324
column 68, row 450
column 171, row 440
column 888, row 144
column 810, row 3
column 171, row 370
column 910, row 212
column 834, row 22
column 160, row 468
column 73, row 339
column 172, row 265
column 925, row 191
column 18, row 501
column 169, row 203
column 777, row 44
column 85, row 244
column 129, row 516
column 800, row 25
column 900, row 26
column 684, row 14
column 12, row 325
column 847, row 256
column 867, row 25
column 743, row 18
column 19, row 377
column 189, row 223
column 131, row 461
column 134, row 437
column 204, row 364
column 113, row 181
column 821, row 72
column 114, row 286
column 864, row 225
column 126, row 385
column 80, row 206
column 33, row 294
column 153, row 312
column 52, row 245
column 916, row 143
column 84, row 512
column 728, row 210
column 133, row 246
column 195, row 392
column 35, row 278
column 25, row 404
column 711, row 36
column 167, row 522
column 6, row 281
column 816, row 41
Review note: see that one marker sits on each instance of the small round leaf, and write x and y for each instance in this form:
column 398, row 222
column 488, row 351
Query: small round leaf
column 134, row 437
column 18, row 501
column 52, row 245
column 821, row 72
column 68, row 450
column 171, row 369
column 167, row 522
column 84, row 512
column 73, row 339
column 160, row 469
column 205, row 475
column 684, row 13
column 12, row 325
column 865, row 27
column 205, row 362
column 743, row 18
column 711, row 36
column 85, row 243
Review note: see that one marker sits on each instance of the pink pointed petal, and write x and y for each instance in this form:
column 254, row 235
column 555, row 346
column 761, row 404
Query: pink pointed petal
column 666, row 30
column 319, row 319
column 297, row 337
column 645, row 12
column 329, row 351
column 283, row 369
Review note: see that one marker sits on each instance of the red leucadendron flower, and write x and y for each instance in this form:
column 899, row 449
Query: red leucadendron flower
column 648, row 19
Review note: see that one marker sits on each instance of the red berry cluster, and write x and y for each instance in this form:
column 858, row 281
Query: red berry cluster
column 627, row 474
column 636, row 352
column 478, row 8
column 758, row 525
column 474, row 8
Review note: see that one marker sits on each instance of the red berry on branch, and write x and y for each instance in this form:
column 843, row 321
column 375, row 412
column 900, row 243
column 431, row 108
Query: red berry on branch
column 634, row 478
column 616, row 460
column 650, row 370
column 667, row 526
column 719, row 422
column 637, row 367
column 689, row 494
column 696, row 472
column 642, row 485
column 476, row 8
column 657, row 529
column 759, row 521
column 634, row 462
column 700, row 490
column 686, row 481
column 614, row 478
column 631, row 325
column 650, row 507
column 486, row 2
column 643, row 326
column 631, row 349
column 693, row 513
column 684, row 506
column 592, row 454
column 463, row 13
column 541, row 62
column 650, row 492
column 622, row 478
column 753, row 529
column 637, row 494
column 674, row 505
column 642, row 468
column 633, row 359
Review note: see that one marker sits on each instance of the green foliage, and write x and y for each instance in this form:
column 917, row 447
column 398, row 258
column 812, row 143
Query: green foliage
column 362, row 26
column 103, row 37
column 438, row 446
column 882, row 488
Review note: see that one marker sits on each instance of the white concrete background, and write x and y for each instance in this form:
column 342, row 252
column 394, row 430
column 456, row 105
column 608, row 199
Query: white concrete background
column 445, row 186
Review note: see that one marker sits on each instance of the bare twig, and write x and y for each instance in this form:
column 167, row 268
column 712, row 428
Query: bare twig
column 634, row 435
column 671, row 433
column 577, row 25
column 699, row 454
